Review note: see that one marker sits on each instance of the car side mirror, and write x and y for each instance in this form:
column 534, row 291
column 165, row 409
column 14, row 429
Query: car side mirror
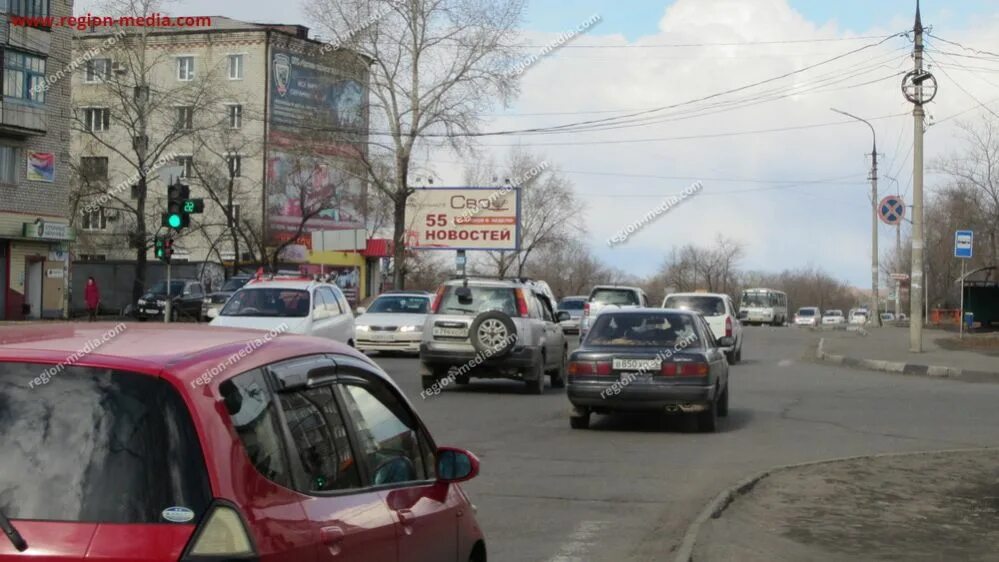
column 360, row 310
column 726, row 341
column 563, row 316
column 456, row 465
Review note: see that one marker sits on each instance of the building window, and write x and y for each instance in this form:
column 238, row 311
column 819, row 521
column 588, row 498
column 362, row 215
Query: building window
column 9, row 157
column 24, row 77
column 235, row 163
column 96, row 119
column 26, row 7
column 187, row 166
column 185, row 118
column 94, row 168
column 98, row 70
column 235, row 67
column 235, row 116
column 185, row 69
column 95, row 219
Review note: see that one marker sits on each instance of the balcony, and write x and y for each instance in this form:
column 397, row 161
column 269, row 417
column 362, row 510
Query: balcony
column 23, row 119
column 37, row 40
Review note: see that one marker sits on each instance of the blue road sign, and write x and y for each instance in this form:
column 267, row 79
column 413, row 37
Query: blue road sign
column 964, row 243
column 891, row 210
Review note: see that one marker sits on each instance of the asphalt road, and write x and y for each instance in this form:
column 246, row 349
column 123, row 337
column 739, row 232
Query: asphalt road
column 627, row 488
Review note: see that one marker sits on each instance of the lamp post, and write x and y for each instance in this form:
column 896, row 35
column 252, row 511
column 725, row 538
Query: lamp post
column 875, row 304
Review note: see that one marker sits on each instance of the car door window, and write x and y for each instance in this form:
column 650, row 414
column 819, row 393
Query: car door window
column 389, row 438
column 318, row 301
column 332, row 304
column 320, row 440
column 546, row 310
column 709, row 336
column 252, row 411
column 196, row 290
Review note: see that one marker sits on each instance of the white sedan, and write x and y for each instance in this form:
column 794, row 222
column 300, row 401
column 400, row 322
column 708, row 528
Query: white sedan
column 393, row 322
column 833, row 318
column 294, row 306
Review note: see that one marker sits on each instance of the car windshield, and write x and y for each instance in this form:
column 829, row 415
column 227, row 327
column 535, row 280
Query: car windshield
column 571, row 304
column 806, row 312
column 481, row 300
column 834, row 313
column 658, row 329
column 708, row 306
column 756, row 299
column 89, row 444
column 234, row 284
column 623, row 297
column 400, row 305
column 176, row 288
column 271, row 302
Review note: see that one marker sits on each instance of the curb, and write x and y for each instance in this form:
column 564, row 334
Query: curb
column 896, row 367
column 715, row 509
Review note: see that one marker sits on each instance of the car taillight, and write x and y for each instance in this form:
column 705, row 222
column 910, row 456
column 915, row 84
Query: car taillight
column 728, row 327
column 586, row 309
column 601, row 368
column 521, row 303
column 438, row 298
column 221, row 534
column 694, row 369
column 668, row 369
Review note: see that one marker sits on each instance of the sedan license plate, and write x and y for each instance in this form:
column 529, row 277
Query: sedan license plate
column 151, row 311
column 381, row 337
column 451, row 332
column 637, row 364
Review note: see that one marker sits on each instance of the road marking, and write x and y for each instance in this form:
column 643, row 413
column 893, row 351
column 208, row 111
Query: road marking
column 580, row 542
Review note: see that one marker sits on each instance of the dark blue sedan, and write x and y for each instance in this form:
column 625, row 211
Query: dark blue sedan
column 649, row 360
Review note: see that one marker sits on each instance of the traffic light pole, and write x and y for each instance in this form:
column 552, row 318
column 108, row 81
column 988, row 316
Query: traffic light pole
column 168, row 308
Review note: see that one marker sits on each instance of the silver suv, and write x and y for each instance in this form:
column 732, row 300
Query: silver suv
column 493, row 328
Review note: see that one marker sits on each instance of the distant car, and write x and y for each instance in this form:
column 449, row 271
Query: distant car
column 292, row 305
column 719, row 311
column 887, row 317
column 187, row 296
column 833, row 317
column 807, row 316
column 574, row 306
column 650, row 360
column 859, row 317
column 902, row 317
column 493, row 328
column 610, row 296
column 393, row 322
column 216, row 300
column 166, row 449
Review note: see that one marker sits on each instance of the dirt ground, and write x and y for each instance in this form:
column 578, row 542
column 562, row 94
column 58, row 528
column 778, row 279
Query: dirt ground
column 938, row 507
column 984, row 343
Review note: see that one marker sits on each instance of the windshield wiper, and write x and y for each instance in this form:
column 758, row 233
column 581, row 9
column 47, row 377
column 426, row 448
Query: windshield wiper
column 15, row 538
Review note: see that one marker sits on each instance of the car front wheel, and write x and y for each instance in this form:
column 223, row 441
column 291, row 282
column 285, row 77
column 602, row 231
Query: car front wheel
column 558, row 376
column 707, row 421
column 580, row 421
column 537, row 386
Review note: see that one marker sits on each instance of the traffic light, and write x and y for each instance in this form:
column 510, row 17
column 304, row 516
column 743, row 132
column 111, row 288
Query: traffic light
column 175, row 217
column 163, row 248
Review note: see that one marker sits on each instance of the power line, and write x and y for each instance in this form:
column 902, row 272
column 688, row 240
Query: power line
column 966, row 48
column 690, row 45
column 962, row 88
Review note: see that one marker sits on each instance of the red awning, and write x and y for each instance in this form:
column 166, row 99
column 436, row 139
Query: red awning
column 378, row 248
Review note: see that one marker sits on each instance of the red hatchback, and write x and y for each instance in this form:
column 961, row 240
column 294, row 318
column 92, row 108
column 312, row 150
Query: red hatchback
column 175, row 443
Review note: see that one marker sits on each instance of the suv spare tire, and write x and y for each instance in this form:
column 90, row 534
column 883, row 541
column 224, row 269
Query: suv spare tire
column 493, row 333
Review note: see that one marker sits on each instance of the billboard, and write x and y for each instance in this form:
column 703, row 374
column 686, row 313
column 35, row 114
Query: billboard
column 463, row 218
column 309, row 172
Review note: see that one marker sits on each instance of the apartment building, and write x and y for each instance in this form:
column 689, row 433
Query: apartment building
column 248, row 114
column 34, row 162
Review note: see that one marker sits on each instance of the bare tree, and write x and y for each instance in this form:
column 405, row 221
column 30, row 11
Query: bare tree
column 436, row 65
column 142, row 123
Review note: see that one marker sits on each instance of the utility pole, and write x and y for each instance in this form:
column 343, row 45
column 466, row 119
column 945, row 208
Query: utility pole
column 875, row 306
column 919, row 87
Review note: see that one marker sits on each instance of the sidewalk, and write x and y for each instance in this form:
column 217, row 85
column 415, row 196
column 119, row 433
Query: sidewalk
column 887, row 349
column 926, row 506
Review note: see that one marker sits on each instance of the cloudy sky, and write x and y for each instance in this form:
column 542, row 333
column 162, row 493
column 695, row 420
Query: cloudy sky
column 796, row 194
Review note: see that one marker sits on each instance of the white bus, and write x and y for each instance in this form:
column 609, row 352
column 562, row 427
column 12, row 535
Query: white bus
column 763, row 306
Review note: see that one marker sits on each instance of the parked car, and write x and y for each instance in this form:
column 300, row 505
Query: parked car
column 613, row 296
column 187, row 298
column 216, row 300
column 859, row 316
column 807, row 316
column 293, row 305
column 833, row 317
column 393, row 322
column 493, row 328
column 650, row 360
column 160, row 448
column 574, row 306
column 719, row 312
column 887, row 317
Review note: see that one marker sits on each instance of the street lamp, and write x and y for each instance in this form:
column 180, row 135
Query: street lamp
column 875, row 304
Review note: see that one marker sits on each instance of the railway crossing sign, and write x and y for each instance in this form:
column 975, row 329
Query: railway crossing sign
column 891, row 210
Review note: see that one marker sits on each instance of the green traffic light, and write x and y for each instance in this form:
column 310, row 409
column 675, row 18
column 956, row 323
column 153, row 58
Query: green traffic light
column 174, row 220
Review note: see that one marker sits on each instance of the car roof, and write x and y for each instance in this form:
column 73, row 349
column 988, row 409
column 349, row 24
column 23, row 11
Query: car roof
column 648, row 310
column 620, row 287
column 718, row 295
column 285, row 284
column 575, row 298
column 180, row 352
column 404, row 294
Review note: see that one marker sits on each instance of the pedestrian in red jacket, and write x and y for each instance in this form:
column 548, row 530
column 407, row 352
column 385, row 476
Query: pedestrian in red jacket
column 92, row 296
